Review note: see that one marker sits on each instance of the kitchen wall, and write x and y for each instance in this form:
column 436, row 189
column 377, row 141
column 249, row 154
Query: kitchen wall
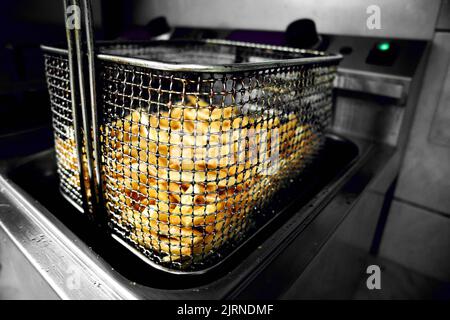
column 425, row 175
column 415, row 17
column 417, row 235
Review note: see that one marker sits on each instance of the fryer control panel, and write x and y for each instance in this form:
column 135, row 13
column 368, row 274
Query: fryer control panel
column 396, row 57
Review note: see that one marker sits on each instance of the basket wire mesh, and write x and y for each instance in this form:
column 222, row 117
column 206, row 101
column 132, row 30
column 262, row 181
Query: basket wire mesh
column 189, row 156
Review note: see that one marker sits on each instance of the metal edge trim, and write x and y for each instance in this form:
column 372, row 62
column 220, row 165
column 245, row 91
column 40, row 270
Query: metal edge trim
column 53, row 49
column 233, row 67
column 14, row 194
column 51, row 282
column 344, row 71
column 71, row 201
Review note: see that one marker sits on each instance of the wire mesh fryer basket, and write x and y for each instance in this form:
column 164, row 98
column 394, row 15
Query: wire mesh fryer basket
column 189, row 153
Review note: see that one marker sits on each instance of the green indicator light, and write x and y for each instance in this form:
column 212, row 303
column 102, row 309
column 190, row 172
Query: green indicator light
column 383, row 46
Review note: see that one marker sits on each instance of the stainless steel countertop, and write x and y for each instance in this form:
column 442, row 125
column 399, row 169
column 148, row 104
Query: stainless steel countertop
column 73, row 271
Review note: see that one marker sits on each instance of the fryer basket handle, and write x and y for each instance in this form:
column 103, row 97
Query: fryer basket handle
column 81, row 54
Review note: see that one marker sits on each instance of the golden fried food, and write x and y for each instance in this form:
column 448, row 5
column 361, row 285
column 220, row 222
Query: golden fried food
column 184, row 180
column 66, row 154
